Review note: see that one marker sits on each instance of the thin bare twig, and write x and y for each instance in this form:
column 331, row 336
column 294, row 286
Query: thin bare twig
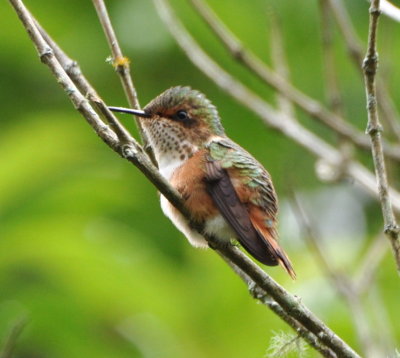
column 312, row 107
column 121, row 64
column 370, row 65
column 355, row 51
column 132, row 151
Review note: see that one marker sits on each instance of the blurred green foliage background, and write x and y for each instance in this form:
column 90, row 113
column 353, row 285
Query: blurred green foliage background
column 85, row 252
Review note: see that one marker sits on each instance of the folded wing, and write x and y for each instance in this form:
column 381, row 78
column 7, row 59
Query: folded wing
column 248, row 220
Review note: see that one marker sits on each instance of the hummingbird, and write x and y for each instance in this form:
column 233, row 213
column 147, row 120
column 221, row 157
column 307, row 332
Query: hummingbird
column 223, row 186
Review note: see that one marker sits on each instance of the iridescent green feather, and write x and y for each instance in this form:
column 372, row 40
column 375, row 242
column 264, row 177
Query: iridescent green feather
column 231, row 155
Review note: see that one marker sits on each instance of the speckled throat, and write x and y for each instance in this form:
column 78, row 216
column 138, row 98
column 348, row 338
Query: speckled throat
column 170, row 144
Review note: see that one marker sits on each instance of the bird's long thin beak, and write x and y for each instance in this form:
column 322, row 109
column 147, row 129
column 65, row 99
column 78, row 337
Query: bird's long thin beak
column 136, row 112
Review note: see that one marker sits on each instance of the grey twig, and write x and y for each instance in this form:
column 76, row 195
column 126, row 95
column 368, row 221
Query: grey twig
column 121, row 65
column 312, row 107
column 355, row 51
column 132, row 152
column 370, row 66
column 120, row 62
column 274, row 119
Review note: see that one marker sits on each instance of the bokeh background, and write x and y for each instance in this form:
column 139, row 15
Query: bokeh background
column 86, row 254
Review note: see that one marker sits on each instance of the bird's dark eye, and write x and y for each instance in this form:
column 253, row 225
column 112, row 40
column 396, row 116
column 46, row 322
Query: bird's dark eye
column 181, row 115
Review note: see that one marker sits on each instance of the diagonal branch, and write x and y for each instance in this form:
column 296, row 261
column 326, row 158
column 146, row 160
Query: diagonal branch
column 302, row 318
column 312, row 107
column 390, row 10
column 355, row 51
column 374, row 129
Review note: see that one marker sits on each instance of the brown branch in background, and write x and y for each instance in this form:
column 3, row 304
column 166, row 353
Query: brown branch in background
column 121, row 64
column 355, row 50
column 274, row 119
column 132, row 152
column 312, row 107
column 374, row 129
